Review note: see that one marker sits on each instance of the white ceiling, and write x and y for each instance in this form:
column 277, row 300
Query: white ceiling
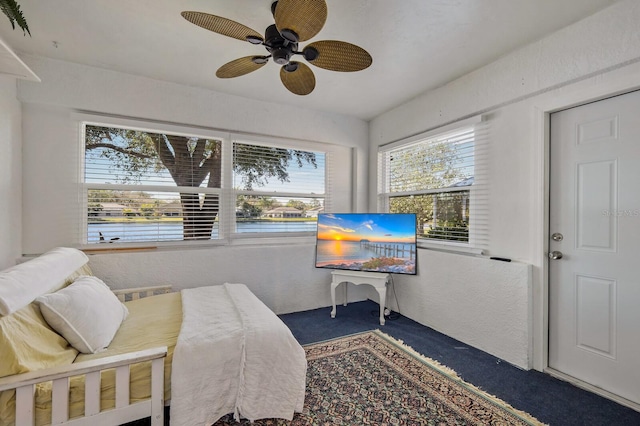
column 416, row 45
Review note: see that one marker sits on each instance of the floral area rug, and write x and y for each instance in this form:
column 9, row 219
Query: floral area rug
column 372, row 379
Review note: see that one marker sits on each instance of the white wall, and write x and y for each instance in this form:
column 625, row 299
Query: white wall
column 576, row 64
column 10, row 173
column 281, row 274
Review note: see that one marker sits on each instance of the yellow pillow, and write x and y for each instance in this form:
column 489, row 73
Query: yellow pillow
column 27, row 343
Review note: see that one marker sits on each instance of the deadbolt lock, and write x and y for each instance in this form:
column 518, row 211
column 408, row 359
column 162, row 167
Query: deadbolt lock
column 557, row 236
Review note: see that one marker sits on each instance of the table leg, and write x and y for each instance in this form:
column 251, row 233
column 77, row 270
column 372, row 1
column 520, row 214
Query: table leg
column 333, row 298
column 382, row 292
column 346, row 286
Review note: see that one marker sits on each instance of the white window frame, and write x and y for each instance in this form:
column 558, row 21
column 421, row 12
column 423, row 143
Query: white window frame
column 478, row 217
column 280, row 143
column 227, row 193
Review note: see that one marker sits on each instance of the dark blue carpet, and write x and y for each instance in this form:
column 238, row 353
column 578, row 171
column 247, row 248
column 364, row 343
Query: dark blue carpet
column 550, row 400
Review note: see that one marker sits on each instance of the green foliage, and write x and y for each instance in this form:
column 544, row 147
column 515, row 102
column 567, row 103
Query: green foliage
column 266, row 203
column 450, row 233
column 12, row 10
column 149, row 209
column 256, row 164
column 451, row 208
column 189, row 161
column 94, row 208
column 103, row 196
column 248, row 206
column 425, row 166
column 298, row 204
column 431, row 167
column 134, row 199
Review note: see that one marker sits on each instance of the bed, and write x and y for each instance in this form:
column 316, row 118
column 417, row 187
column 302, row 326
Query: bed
column 206, row 352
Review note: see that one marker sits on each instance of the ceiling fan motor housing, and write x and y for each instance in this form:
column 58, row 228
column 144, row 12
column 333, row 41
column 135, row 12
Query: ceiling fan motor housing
column 281, row 49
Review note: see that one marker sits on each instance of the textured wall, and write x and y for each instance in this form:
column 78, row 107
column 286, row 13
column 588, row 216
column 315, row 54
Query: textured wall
column 10, row 173
column 282, row 276
column 555, row 72
column 594, row 45
column 483, row 303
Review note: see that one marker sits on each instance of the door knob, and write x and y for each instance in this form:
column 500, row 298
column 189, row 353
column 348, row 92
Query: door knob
column 555, row 255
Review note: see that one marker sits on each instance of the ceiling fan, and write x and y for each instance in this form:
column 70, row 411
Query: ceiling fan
column 295, row 21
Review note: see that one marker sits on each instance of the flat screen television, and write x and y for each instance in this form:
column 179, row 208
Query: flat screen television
column 375, row 242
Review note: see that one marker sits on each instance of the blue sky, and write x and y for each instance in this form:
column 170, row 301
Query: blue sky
column 371, row 226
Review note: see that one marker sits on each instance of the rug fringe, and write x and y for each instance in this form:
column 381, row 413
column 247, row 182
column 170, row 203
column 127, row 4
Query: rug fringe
column 454, row 376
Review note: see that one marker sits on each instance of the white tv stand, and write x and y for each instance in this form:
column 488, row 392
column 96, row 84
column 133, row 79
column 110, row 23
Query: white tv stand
column 376, row 279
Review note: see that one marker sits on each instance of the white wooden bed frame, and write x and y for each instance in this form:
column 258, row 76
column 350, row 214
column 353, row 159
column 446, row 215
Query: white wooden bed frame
column 124, row 411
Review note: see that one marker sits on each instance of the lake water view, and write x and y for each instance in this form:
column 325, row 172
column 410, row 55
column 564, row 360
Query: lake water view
column 357, row 256
column 329, row 251
column 172, row 231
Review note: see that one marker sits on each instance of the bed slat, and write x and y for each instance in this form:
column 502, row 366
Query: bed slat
column 122, row 386
column 60, row 401
column 25, row 414
column 157, row 388
column 25, row 384
column 127, row 294
column 92, row 393
column 77, row 369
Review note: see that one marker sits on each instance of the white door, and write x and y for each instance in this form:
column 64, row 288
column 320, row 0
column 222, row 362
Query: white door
column 594, row 288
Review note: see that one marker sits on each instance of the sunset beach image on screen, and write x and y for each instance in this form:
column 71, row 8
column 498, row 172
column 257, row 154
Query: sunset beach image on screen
column 374, row 242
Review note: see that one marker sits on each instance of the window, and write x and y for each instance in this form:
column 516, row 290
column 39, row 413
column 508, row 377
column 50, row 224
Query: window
column 277, row 189
column 143, row 186
column 440, row 178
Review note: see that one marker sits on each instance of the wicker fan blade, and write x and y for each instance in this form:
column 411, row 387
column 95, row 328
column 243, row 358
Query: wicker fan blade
column 304, row 17
column 301, row 81
column 222, row 26
column 337, row 56
column 238, row 67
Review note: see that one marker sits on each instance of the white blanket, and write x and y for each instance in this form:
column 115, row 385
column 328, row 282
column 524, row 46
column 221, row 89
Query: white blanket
column 234, row 355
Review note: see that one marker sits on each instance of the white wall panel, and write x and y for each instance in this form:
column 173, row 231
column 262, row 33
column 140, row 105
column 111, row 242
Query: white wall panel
column 282, row 276
column 10, row 173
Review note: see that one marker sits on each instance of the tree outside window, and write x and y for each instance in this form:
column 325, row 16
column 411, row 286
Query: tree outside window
column 136, row 178
column 431, row 178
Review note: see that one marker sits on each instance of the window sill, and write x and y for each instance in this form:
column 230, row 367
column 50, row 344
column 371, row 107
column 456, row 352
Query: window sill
column 450, row 247
column 245, row 240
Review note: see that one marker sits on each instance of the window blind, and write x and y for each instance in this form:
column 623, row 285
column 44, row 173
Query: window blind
column 141, row 186
column 278, row 189
column 442, row 178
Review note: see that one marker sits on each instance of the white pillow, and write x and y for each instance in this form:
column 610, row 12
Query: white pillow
column 86, row 313
column 21, row 284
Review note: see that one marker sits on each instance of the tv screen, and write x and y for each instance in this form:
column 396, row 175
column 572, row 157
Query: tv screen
column 376, row 242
